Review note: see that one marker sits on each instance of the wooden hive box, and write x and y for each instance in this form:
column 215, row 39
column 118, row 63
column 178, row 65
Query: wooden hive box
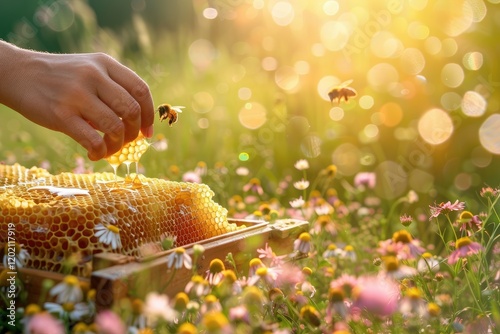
column 116, row 276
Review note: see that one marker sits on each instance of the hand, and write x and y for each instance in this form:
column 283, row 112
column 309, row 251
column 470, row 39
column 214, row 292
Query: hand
column 79, row 95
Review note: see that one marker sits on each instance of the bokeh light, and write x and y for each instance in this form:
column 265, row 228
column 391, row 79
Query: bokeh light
column 452, row 75
column 366, row 101
column 334, row 35
column 244, row 93
column 473, row 60
column 385, row 45
column 435, row 126
column 283, row 13
column 347, row 159
column 325, row 84
column 287, row 79
column 451, row 101
column 203, row 102
column 210, row 13
column 392, row 180
column 331, row 7
column 201, row 53
column 473, row 104
column 253, row 115
column 383, row 76
column 489, row 134
column 336, row 113
column 311, row 146
column 412, row 61
column 391, row 114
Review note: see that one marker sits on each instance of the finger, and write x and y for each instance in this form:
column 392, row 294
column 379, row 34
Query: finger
column 105, row 120
column 139, row 90
column 83, row 133
column 123, row 105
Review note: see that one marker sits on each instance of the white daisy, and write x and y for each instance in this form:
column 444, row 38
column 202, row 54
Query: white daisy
column 157, row 306
column 67, row 291
column 302, row 164
column 301, row 185
column 179, row 258
column 108, row 234
column 74, row 311
column 297, row 203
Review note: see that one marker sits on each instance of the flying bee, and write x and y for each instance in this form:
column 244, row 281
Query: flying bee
column 342, row 91
column 169, row 112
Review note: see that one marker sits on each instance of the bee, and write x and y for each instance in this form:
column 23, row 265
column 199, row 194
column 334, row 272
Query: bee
column 169, row 112
column 342, row 91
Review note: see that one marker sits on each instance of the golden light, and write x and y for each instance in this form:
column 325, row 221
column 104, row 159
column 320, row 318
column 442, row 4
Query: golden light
column 451, row 101
column 366, row 101
column 418, row 30
column 452, row 75
column 435, row 126
column 347, row 159
column 287, row 79
column 473, row 104
column 473, row 60
column 282, row 13
column 269, row 63
column 433, row 45
column 336, row 113
column 244, row 93
column 384, row 45
column 210, row 13
column 253, row 115
column 325, row 84
column 201, row 53
column 383, row 76
column 391, row 114
column 331, row 7
column 412, row 61
column 417, row 4
column 334, row 35
column 489, row 136
column 203, row 102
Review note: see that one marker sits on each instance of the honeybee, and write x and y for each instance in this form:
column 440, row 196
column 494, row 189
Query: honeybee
column 169, row 112
column 342, row 91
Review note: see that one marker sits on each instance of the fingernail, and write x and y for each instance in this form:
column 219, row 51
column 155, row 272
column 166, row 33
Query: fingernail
column 149, row 132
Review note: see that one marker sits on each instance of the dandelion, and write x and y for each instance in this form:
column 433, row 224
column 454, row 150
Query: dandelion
column 21, row 256
column 67, row 291
column 301, row 185
column 157, row 307
column 214, row 273
column 427, row 263
column 108, row 234
column 179, row 258
column 302, row 164
column 445, row 208
column 303, row 243
column 464, row 247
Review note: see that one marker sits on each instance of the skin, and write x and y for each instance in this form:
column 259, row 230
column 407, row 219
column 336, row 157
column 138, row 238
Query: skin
column 90, row 97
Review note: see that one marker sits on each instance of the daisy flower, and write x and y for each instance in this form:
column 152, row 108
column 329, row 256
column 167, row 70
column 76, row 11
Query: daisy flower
column 397, row 271
column 108, row 234
column 179, row 258
column 301, row 185
column 197, row 286
column 67, row 291
column 73, row 311
column 427, row 263
column 214, row 273
column 254, row 185
column 412, row 304
column 297, row 203
column 21, row 255
column 464, row 247
column 268, row 275
column 157, row 307
column 303, row 243
column 302, row 164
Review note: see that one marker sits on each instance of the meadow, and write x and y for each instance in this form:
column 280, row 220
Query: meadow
column 399, row 184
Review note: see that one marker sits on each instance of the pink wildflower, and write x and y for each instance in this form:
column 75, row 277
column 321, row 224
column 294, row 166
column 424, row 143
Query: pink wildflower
column 254, row 186
column 267, row 253
column 365, row 180
column 44, row 323
column 376, row 295
column 109, row 322
column 464, row 247
column 445, row 208
column 191, row 177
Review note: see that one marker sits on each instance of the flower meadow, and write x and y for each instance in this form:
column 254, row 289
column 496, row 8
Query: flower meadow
column 352, row 271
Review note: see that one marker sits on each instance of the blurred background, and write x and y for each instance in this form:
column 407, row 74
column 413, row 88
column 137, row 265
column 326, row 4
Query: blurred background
column 254, row 77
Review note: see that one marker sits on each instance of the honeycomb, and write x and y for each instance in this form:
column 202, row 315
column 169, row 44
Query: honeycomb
column 60, row 217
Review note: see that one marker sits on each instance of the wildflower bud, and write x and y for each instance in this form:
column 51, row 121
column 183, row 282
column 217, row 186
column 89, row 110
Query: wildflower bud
column 377, row 261
column 406, row 220
column 433, row 309
column 439, row 277
column 276, row 294
column 309, row 314
column 32, row 309
column 307, row 271
column 198, row 250
column 187, row 328
column 180, row 301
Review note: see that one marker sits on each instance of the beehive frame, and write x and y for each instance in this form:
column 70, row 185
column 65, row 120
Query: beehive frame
column 116, row 276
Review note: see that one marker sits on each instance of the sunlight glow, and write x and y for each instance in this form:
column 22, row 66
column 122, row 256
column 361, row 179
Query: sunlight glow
column 336, row 113
column 435, row 126
column 210, row 13
column 412, row 61
column 489, row 135
column 331, row 7
column 382, row 76
column 473, row 104
column 203, row 102
column 473, row 60
column 287, row 79
column 253, row 115
column 452, row 75
column 366, row 101
column 334, row 35
column 283, row 13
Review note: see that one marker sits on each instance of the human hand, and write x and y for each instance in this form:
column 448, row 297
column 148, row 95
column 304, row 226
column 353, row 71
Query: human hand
column 79, row 95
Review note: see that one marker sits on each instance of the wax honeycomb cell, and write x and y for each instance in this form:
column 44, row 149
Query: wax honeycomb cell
column 58, row 217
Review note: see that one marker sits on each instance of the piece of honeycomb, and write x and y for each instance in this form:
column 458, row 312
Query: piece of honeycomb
column 60, row 218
